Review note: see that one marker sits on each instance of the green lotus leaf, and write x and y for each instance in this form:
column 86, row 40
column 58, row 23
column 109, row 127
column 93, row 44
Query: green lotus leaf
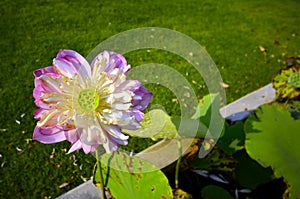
column 206, row 121
column 129, row 177
column 204, row 105
column 156, row 124
column 250, row 173
column 233, row 138
column 215, row 192
column 209, row 117
column 273, row 140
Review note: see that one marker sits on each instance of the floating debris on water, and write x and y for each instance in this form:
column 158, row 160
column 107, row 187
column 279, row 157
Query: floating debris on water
column 218, row 178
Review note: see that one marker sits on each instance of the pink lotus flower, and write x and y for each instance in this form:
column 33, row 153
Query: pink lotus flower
column 87, row 105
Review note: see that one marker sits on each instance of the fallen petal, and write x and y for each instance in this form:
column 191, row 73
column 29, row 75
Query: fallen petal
column 63, row 185
column 224, row 85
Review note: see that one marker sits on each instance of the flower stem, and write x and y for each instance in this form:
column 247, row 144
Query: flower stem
column 101, row 176
column 178, row 162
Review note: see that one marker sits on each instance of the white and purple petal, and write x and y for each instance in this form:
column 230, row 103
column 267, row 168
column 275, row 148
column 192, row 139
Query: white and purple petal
column 48, row 135
column 49, row 118
column 108, row 61
column 75, row 146
column 69, row 63
column 141, row 96
column 72, row 135
column 113, row 143
column 138, row 115
column 46, row 84
column 141, row 99
column 48, row 71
